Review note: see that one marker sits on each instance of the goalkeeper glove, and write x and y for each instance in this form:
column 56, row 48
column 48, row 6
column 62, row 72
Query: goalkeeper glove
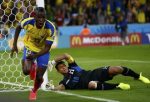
column 51, row 65
column 50, row 86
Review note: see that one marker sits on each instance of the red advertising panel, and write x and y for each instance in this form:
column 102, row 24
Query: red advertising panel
column 95, row 40
column 102, row 40
column 135, row 38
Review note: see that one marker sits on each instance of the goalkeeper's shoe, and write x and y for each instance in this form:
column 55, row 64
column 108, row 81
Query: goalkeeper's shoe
column 33, row 71
column 144, row 79
column 123, row 86
column 32, row 95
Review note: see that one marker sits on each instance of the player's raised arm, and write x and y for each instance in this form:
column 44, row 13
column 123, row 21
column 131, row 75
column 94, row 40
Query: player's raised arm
column 17, row 32
column 64, row 56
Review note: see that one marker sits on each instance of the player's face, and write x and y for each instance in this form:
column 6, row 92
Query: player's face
column 62, row 68
column 40, row 19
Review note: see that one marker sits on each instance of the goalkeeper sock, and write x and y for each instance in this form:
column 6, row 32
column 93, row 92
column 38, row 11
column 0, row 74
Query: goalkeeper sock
column 37, row 85
column 106, row 86
column 129, row 72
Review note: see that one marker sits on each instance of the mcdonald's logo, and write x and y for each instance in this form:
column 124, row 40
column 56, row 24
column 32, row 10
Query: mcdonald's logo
column 135, row 38
column 76, row 40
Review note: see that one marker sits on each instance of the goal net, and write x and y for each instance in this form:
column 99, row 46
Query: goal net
column 11, row 13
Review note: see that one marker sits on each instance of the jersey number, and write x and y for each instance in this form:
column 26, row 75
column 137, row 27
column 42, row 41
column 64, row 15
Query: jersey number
column 71, row 71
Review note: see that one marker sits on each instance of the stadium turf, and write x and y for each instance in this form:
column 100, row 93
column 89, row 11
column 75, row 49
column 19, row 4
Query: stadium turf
column 134, row 57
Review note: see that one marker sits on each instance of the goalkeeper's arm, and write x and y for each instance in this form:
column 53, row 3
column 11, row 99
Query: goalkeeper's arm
column 59, row 87
column 52, row 87
column 64, row 56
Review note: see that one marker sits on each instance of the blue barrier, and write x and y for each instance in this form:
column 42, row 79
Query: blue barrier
column 63, row 41
column 103, row 29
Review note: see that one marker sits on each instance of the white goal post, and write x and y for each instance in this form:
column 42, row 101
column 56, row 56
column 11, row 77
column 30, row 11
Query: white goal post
column 11, row 76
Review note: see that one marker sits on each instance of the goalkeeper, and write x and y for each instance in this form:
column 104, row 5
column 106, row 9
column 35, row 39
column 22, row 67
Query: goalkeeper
column 38, row 40
column 77, row 78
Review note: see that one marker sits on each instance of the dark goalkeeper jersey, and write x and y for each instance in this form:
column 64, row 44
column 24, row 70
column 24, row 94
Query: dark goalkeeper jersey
column 77, row 78
column 73, row 78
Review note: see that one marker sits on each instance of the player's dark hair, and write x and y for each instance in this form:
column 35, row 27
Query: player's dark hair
column 58, row 63
column 39, row 10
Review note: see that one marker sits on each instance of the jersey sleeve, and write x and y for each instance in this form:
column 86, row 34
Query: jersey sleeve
column 27, row 23
column 70, row 59
column 61, row 82
column 51, row 37
column 68, row 83
column 51, row 31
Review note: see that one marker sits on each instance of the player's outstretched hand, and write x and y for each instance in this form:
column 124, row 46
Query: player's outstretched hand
column 14, row 49
column 50, row 65
column 50, row 85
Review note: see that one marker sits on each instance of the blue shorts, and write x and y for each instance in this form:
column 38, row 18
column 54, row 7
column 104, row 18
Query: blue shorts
column 42, row 61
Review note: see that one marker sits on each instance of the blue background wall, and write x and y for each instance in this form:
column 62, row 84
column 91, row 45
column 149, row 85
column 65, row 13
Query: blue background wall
column 108, row 28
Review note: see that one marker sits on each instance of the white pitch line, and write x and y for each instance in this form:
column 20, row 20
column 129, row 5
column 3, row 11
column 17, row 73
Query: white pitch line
column 116, row 60
column 69, row 94
column 85, row 97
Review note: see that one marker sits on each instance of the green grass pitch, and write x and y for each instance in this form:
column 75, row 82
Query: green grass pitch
column 134, row 57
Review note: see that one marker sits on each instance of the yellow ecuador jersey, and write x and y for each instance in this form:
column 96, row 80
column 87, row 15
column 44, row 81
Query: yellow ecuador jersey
column 35, row 38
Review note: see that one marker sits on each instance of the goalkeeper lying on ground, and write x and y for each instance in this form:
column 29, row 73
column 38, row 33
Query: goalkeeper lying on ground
column 77, row 78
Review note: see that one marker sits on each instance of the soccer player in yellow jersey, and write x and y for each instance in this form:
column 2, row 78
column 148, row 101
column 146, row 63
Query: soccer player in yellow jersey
column 76, row 77
column 38, row 40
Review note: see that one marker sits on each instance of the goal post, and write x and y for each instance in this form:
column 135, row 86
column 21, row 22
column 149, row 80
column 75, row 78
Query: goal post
column 11, row 13
column 40, row 3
